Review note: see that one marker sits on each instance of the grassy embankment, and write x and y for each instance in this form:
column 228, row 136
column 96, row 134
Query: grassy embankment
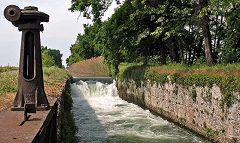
column 227, row 77
column 95, row 67
column 54, row 81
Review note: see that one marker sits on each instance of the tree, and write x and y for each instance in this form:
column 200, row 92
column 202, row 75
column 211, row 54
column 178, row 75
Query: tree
column 52, row 54
column 177, row 31
column 74, row 57
column 138, row 30
column 47, row 60
column 85, row 46
column 95, row 8
column 206, row 32
column 231, row 50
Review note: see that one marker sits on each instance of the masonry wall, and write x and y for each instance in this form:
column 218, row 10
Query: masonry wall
column 199, row 109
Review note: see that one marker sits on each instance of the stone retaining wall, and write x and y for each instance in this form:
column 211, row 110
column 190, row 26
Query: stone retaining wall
column 199, row 109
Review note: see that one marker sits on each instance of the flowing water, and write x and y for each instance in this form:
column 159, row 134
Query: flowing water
column 102, row 117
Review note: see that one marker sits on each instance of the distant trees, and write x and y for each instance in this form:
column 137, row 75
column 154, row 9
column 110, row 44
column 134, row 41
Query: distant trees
column 189, row 32
column 51, row 57
column 47, row 60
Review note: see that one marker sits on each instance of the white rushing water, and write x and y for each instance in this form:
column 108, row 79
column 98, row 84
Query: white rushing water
column 102, row 117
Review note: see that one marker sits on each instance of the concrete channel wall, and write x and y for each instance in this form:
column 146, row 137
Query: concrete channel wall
column 50, row 131
column 203, row 114
column 51, row 128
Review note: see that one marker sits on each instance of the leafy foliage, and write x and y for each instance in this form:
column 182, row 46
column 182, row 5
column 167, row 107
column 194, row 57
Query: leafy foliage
column 231, row 50
column 95, row 8
column 47, row 60
column 167, row 31
column 51, row 57
column 85, row 46
column 69, row 129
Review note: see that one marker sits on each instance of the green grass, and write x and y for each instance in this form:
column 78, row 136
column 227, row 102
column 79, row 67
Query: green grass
column 55, row 74
column 54, row 80
column 224, row 67
column 8, row 82
column 8, row 68
column 9, row 78
column 179, row 69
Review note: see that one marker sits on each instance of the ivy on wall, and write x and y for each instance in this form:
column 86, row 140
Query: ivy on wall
column 69, row 129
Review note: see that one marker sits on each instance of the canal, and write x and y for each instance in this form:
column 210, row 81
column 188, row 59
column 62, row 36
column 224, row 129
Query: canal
column 102, row 117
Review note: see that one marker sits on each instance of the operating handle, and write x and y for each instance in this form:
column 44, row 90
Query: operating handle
column 12, row 13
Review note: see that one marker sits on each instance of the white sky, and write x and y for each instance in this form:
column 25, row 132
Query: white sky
column 59, row 33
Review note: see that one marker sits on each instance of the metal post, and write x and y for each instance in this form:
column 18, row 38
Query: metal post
column 31, row 95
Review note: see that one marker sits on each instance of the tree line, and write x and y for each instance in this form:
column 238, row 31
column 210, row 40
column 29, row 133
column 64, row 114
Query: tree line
column 163, row 31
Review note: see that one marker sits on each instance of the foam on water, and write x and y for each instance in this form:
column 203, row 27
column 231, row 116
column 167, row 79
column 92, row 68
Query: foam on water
column 103, row 117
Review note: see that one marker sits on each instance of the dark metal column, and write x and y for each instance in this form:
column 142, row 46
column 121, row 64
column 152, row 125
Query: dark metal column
column 31, row 95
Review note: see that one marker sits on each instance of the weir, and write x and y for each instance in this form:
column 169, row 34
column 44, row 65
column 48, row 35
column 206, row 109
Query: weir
column 102, row 116
column 94, row 79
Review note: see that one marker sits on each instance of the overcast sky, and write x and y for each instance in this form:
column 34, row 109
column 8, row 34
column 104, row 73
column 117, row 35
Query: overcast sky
column 59, row 33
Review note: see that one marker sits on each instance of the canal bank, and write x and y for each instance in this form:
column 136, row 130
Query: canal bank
column 200, row 100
